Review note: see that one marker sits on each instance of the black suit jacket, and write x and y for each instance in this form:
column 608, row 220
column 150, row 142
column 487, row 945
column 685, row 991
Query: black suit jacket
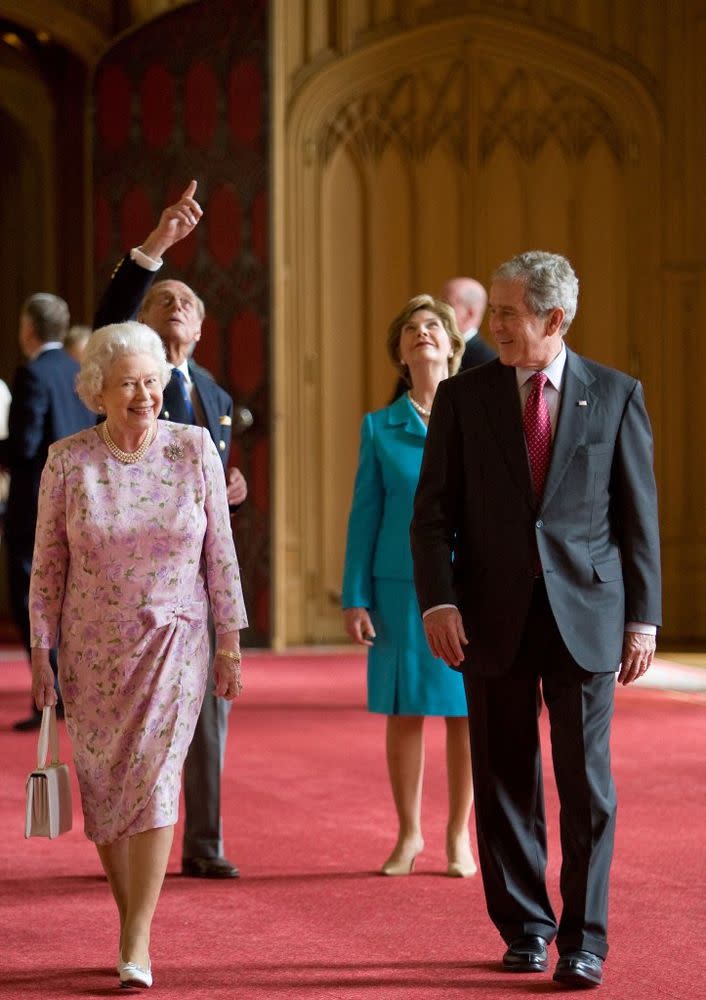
column 44, row 408
column 476, row 525
column 477, row 353
column 121, row 301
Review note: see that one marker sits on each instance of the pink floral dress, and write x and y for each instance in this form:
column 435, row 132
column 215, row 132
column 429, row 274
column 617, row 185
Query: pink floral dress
column 127, row 560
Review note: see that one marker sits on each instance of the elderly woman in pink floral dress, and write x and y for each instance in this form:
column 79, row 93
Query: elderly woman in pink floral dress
column 133, row 546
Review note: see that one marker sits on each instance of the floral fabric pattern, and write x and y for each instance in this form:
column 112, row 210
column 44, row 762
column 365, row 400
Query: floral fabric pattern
column 127, row 560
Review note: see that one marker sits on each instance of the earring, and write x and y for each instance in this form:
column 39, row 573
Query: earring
column 100, row 407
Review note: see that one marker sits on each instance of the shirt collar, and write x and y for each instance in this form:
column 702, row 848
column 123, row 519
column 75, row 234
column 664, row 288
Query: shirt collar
column 50, row 345
column 470, row 333
column 554, row 371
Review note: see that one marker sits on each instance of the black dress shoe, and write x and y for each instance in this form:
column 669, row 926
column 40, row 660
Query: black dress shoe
column 527, row 954
column 34, row 721
column 579, row 969
column 209, row 868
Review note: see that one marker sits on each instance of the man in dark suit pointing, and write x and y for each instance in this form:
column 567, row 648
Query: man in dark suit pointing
column 191, row 396
column 536, row 553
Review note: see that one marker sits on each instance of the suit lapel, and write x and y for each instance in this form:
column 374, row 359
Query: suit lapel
column 502, row 402
column 577, row 404
column 207, row 400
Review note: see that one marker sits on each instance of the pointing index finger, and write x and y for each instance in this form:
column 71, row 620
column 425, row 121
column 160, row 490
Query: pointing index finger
column 190, row 190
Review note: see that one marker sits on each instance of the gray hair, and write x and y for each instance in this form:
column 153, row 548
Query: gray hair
column 48, row 314
column 549, row 280
column 76, row 334
column 108, row 344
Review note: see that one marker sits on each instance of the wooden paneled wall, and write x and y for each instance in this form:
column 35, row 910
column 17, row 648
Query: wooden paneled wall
column 419, row 140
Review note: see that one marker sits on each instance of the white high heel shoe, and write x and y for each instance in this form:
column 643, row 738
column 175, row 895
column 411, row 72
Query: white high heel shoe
column 132, row 974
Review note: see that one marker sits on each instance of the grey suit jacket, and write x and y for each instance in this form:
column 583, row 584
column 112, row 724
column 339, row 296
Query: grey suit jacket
column 477, row 527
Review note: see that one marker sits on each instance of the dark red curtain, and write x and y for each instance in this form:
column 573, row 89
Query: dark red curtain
column 187, row 96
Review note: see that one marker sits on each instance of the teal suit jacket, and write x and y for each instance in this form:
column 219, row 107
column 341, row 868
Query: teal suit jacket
column 391, row 449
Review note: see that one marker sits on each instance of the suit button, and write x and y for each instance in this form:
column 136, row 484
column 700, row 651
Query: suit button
column 539, row 524
column 222, row 445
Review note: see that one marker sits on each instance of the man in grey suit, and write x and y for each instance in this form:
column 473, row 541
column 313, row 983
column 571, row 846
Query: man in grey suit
column 536, row 553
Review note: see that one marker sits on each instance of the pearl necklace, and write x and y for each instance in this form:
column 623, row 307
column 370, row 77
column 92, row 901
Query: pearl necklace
column 421, row 410
column 128, row 457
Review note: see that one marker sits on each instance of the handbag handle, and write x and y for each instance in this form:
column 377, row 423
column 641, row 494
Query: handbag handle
column 48, row 737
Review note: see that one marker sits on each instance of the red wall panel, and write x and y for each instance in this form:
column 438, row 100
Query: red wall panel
column 186, row 96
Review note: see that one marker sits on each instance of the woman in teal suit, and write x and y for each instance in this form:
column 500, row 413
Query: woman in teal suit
column 405, row 682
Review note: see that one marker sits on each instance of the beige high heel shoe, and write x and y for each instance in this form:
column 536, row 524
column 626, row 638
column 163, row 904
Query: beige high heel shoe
column 402, row 862
column 461, row 864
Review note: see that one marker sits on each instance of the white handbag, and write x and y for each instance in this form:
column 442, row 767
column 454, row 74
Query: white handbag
column 48, row 811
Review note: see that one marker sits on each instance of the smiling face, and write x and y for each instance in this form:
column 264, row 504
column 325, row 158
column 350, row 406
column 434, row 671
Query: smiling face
column 523, row 338
column 172, row 309
column 424, row 341
column 131, row 396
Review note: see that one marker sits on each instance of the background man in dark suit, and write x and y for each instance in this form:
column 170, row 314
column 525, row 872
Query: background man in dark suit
column 535, row 544
column 192, row 396
column 468, row 299
column 44, row 408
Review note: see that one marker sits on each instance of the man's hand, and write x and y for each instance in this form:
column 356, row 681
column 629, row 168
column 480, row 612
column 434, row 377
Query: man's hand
column 638, row 653
column 358, row 625
column 445, row 635
column 236, row 487
column 175, row 222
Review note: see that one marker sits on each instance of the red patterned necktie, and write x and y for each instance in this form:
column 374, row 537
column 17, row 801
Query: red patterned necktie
column 538, row 432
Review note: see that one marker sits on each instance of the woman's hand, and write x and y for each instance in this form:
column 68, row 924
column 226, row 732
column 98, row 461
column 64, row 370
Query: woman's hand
column 42, row 679
column 358, row 625
column 226, row 670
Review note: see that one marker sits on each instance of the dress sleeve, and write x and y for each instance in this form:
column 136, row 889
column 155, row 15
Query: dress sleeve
column 222, row 571
column 51, row 556
column 363, row 523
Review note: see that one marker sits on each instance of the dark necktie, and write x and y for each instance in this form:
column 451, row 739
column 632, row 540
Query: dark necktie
column 538, row 433
column 187, row 406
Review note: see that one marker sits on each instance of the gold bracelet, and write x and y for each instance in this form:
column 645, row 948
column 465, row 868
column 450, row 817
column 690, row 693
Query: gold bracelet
column 230, row 653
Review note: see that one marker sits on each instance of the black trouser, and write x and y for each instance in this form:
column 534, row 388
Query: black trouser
column 509, row 796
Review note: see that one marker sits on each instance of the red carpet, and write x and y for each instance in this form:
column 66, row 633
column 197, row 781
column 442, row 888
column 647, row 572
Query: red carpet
column 309, row 819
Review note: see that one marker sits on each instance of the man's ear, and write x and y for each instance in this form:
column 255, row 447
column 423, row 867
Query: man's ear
column 554, row 321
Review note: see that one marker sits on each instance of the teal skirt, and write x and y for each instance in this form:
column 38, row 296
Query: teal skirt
column 403, row 676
